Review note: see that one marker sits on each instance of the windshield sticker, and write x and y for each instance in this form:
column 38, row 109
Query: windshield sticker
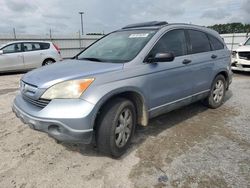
column 139, row 35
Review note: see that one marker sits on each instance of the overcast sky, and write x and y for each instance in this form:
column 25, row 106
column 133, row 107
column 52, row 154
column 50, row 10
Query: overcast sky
column 38, row 16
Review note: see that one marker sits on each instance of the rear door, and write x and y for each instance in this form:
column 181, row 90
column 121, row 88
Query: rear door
column 33, row 56
column 170, row 82
column 202, row 60
column 12, row 58
column 222, row 56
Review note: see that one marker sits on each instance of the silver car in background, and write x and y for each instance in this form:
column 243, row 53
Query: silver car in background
column 26, row 55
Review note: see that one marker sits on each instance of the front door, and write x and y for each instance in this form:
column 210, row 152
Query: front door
column 12, row 58
column 170, row 82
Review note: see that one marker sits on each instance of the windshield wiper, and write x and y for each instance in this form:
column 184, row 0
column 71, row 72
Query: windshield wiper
column 91, row 59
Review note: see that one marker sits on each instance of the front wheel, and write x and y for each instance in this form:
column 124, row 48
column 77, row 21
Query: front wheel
column 115, row 127
column 217, row 92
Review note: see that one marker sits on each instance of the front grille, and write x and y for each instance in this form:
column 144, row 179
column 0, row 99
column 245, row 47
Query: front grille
column 29, row 94
column 246, row 66
column 244, row 55
column 39, row 103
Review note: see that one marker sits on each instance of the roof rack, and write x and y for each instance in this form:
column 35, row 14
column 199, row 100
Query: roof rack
column 146, row 24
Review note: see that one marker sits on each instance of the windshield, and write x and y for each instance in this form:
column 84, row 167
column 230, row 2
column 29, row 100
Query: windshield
column 247, row 42
column 118, row 47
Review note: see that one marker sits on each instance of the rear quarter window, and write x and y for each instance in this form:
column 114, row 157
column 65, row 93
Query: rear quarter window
column 44, row 46
column 198, row 42
column 215, row 43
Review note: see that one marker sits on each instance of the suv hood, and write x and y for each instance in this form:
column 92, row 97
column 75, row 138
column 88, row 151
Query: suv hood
column 243, row 49
column 47, row 76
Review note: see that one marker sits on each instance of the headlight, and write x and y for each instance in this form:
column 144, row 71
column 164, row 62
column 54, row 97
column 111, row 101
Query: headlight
column 71, row 89
column 234, row 54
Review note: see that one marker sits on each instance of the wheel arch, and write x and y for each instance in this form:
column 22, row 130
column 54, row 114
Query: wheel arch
column 226, row 76
column 135, row 97
column 48, row 58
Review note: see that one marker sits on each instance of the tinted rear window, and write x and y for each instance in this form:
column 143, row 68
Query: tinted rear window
column 215, row 43
column 199, row 41
column 44, row 46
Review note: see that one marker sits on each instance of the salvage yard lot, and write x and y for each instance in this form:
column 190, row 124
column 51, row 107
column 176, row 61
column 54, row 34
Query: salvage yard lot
column 190, row 147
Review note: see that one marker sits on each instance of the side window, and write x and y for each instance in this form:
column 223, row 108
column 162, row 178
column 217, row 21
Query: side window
column 31, row 46
column 13, row 48
column 44, row 46
column 199, row 42
column 215, row 43
column 173, row 41
column 35, row 46
column 27, row 47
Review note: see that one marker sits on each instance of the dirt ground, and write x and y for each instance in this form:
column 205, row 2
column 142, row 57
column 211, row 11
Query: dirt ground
column 190, row 147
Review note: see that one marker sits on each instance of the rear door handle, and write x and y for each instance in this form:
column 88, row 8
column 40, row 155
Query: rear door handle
column 214, row 56
column 186, row 61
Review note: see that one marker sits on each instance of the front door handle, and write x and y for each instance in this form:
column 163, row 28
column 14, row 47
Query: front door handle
column 214, row 56
column 186, row 61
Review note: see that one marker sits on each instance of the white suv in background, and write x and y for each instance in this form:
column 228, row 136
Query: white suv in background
column 26, row 55
column 241, row 57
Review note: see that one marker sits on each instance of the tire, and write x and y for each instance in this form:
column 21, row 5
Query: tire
column 112, row 119
column 48, row 62
column 217, row 93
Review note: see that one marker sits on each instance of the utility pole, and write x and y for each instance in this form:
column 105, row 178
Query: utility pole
column 81, row 13
column 80, row 40
column 14, row 32
column 232, row 46
column 50, row 34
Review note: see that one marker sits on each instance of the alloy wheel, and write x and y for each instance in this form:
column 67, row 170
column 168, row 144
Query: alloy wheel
column 123, row 128
column 218, row 91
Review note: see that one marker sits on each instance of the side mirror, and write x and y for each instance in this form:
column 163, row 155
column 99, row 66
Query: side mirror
column 1, row 52
column 162, row 57
column 241, row 44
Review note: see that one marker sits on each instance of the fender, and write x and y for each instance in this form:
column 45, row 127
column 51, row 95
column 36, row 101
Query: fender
column 143, row 116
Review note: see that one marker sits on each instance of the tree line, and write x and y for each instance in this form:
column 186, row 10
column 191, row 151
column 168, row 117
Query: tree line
column 231, row 28
column 220, row 28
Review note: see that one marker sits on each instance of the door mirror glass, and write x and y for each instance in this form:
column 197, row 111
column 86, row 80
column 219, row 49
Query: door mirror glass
column 1, row 52
column 162, row 57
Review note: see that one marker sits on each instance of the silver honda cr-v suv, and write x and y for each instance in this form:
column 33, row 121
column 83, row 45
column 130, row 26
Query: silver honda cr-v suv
column 124, row 79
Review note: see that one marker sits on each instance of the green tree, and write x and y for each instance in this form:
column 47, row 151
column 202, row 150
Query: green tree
column 231, row 28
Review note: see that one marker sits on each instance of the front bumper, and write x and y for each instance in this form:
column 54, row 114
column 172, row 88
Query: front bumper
column 65, row 120
column 240, row 64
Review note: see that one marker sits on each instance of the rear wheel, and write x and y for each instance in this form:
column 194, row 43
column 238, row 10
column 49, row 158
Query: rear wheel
column 217, row 93
column 115, row 127
column 48, row 62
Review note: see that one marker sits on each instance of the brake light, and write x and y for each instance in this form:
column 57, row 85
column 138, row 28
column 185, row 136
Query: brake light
column 57, row 48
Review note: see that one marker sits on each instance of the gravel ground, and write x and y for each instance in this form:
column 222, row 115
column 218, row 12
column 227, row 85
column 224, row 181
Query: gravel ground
column 190, row 147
